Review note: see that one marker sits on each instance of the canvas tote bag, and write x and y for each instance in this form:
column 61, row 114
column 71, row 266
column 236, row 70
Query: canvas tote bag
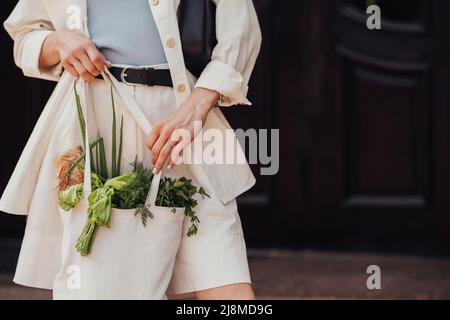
column 128, row 260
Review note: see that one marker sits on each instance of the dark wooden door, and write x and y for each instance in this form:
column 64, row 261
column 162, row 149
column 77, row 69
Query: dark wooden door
column 381, row 146
column 364, row 127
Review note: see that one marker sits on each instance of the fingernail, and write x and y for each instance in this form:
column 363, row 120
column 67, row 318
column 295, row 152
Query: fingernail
column 155, row 171
column 169, row 166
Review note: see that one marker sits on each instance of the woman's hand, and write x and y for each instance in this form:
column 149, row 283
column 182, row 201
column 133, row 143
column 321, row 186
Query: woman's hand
column 78, row 55
column 173, row 133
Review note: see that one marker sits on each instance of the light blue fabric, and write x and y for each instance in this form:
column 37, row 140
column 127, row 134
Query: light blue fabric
column 125, row 32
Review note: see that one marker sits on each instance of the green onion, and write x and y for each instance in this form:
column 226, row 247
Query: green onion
column 103, row 168
column 119, row 156
column 96, row 160
column 113, row 138
column 81, row 120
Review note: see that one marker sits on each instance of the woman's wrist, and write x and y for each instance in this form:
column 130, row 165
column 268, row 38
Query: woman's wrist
column 204, row 99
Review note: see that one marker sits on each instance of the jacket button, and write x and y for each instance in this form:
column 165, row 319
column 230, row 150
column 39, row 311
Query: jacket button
column 155, row 2
column 181, row 88
column 171, row 43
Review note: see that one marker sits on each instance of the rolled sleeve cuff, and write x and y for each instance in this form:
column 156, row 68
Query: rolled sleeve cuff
column 224, row 79
column 30, row 57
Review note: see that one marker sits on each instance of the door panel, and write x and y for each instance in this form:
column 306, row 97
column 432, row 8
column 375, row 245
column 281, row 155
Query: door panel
column 386, row 138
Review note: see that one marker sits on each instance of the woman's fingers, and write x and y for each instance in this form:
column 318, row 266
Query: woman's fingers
column 175, row 156
column 183, row 139
column 71, row 70
column 156, row 150
column 81, row 70
column 164, row 155
column 88, row 65
column 154, row 135
column 87, row 61
column 166, row 143
column 162, row 148
column 76, row 52
column 97, row 58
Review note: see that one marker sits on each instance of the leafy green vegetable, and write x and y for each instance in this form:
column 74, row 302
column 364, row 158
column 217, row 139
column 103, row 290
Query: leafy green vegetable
column 135, row 193
column 99, row 210
column 84, row 242
column 120, row 182
column 179, row 193
column 172, row 193
column 96, row 181
column 69, row 198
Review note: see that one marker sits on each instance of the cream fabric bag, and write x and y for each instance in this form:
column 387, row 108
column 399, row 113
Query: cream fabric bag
column 128, row 260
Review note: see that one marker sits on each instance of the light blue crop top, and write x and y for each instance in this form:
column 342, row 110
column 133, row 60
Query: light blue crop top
column 125, row 32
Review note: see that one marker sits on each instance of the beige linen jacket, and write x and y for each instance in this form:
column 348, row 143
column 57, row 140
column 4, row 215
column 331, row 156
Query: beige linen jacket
column 239, row 41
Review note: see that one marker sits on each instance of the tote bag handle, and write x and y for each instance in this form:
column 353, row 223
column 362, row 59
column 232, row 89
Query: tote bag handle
column 131, row 106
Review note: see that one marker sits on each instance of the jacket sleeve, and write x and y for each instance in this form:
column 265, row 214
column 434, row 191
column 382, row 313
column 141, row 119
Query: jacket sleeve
column 233, row 59
column 29, row 25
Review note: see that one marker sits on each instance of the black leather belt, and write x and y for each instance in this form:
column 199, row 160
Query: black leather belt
column 142, row 76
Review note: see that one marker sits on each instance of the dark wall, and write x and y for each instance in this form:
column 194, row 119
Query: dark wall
column 21, row 101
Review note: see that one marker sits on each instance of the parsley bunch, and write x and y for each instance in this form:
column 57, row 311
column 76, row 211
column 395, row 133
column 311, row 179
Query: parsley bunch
column 172, row 193
column 179, row 193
